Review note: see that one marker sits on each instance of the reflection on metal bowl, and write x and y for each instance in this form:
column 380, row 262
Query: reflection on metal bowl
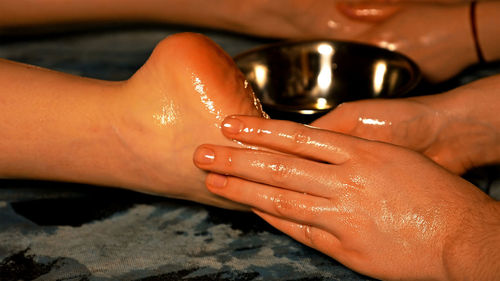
column 303, row 80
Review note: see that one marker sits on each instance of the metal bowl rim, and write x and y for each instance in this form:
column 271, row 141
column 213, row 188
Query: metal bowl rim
column 415, row 70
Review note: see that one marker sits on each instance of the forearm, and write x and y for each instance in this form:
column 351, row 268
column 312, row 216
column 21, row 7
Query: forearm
column 278, row 19
column 56, row 126
column 416, row 1
column 196, row 12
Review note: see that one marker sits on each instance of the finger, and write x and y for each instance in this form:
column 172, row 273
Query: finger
column 290, row 137
column 285, row 171
column 290, row 205
column 311, row 236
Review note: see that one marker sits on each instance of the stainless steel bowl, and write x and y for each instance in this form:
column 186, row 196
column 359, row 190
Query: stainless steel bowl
column 302, row 80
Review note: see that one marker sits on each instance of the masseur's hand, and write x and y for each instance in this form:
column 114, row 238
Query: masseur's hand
column 459, row 129
column 423, row 31
column 380, row 209
column 438, row 37
column 426, row 33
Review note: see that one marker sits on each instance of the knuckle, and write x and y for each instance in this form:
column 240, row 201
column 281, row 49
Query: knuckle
column 281, row 205
column 280, row 172
column 297, row 139
column 228, row 160
column 310, row 235
column 224, row 161
column 231, row 186
column 299, row 136
column 234, row 161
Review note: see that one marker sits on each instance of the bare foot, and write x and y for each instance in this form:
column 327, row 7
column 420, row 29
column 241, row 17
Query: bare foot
column 174, row 103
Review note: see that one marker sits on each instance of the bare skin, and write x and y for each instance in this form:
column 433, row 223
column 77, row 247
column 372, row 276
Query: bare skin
column 379, row 209
column 296, row 18
column 459, row 129
column 446, row 2
column 487, row 29
column 443, row 28
column 137, row 134
column 382, row 23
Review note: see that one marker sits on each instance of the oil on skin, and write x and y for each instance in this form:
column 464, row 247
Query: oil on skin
column 374, row 214
column 169, row 113
column 374, row 122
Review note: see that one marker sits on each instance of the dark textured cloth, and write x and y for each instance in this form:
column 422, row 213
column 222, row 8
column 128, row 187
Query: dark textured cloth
column 54, row 231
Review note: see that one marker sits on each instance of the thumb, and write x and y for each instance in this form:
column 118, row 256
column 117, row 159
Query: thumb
column 342, row 119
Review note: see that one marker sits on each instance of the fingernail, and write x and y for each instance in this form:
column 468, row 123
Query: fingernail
column 216, row 180
column 204, row 155
column 232, row 126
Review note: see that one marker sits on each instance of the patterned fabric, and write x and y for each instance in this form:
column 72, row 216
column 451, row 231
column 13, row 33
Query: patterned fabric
column 59, row 231
column 54, row 231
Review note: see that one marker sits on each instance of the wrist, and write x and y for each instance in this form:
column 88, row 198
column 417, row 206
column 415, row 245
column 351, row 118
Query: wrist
column 473, row 107
column 472, row 252
column 467, row 123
